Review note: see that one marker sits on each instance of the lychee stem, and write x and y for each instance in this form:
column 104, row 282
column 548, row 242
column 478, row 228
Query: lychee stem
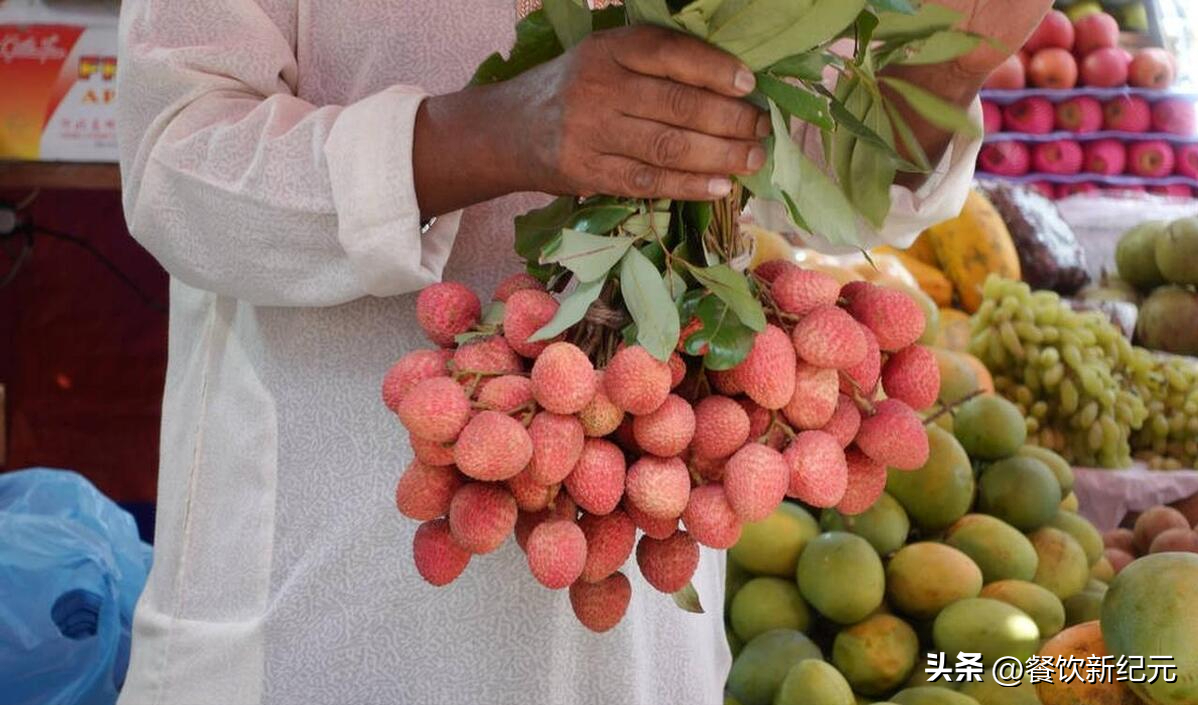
column 951, row 408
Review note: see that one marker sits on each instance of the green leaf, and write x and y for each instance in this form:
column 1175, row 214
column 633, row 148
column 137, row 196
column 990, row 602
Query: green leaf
column 937, row 49
column 645, row 224
column 697, row 215
column 536, row 229
column 850, row 100
column 800, row 103
column 573, row 309
column 601, row 219
column 808, row 66
column 732, row 288
column 688, row 599
column 675, row 284
column 903, row 6
column 930, row 17
column 753, row 22
column 922, row 164
column 824, row 20
column 867, row 22
column 650, row 305
column 934, row 109
column 649, row 12
column 590, row 257
column 820, row 202
column 722, row 340
column 872, row 171
column 571, row 20
column 761, row 183
column 492, row 314
column 536, row 43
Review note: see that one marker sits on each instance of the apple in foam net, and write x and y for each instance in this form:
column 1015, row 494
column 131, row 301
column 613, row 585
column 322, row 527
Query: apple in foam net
column 1127, row 114
column 1005, row 158
column 1152, row 159
column 1010, row 75
column 1082, row 188
column 1053, row 68
column 1095, row 31
column 1034, row 116
column 1081, row 114
column 1055, row 30
column 1151, row 68
column 1171, row 190
column 991, row 117
column 1105, row 68
column 1175, row 116
column 1044, row 188
column 1187, row 161
column 1058, row 157
column 1106, row 157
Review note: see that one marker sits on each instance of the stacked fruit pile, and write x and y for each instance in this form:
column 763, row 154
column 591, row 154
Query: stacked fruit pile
column 1159, row 530
column 978, row 551
column 515, row 431
column 1159, row 261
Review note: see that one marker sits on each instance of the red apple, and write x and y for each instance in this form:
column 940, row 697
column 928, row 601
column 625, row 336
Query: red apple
column 1025, row 58
column 1008, row 76
column 1151, row 68
column 1095, row 31
column 1105, row 68
column 1053, row 68
column 1055, row 30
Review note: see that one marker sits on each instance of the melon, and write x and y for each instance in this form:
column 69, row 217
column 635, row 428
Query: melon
column 841, row 576
column 1062, row 565
column 981, row 625
column 998, row 549
column 764, row 662
column 884, row 525
column 876, row 655
column 924, row 578
column 812, row 682
column 1082, row 642
column 1037, row 602
column 940, row 492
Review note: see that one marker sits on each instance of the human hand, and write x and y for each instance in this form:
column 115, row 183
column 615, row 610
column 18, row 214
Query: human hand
column 1006, row 23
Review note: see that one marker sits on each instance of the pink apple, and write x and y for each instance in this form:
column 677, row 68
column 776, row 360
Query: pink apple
column 1127, row 114
column 1005, row 158
column 1008, row 76
column 1055, row 30
column 1152, row 159
column 1025, row 58
column 1081, row 114
column 1106, row 157
column 1187, row 161
column 1053, row 68
column 1084, row 188
column 1151, row 68
column 1095, row 31
column 1032, row 116
column 1058, row 157
column 1104, row 68
column 1175, row 116
column 1044, row 188
column 991, row 117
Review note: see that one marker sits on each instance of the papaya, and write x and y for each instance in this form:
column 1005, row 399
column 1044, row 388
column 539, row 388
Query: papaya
column 972, row 246
column 923, row 251
column 931, row 280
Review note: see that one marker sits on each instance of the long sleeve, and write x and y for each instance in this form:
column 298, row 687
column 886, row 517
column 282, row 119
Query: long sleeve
column 239, row 187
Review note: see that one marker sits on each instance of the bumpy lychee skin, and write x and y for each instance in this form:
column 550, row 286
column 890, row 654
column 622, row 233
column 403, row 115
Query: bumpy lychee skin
column 814, row 400
column 863, row 377
column 845, row 421
column 710, row 469
column 531, row 496
column 493, row 446
column 829, row 337
column 893, row 317
column 505, row 394
column 721, row 427
column 635, row 381
column 894, row 436
column 415, row 366
column 439, row 559
column 514, row 283
column 851, row 290
column 600, row 606
column 610, row 540
column 563, row 379
column 446, row 309
column 767, row 373
column 557, row 553
column 656, row 528
column 425, row 491
column 772, row 270
column 481, row 516
column 668, row 430
column 526, row 312
column 626, row 438
column 561, row 507
column 659, row 487
column 911, row 375
column 818, row 472
column 597, row 481
column 557, row 442
column 724, row 382
column 435, row 409
column 759, row 418
column 487, row 357
column 601, row 417
column 677, row 370
column 801, row 291
column 668, row 564
column 430, row 453
column 756, row 479
column 710, row 519
column 866, row 483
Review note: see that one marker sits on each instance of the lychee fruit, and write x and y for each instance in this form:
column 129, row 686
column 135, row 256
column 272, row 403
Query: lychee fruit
column 912, row 375
column 425, row 491
column 506, row 394
column 771, row 270
column 446, row 309
column 710, row 519
column 755, row 480
column 531, row 496
column 1175, row 116
column 677, row 370
column 557, row 552
column 561, row 507
column 1106, row 157
column 487, row 357
column 600, row 417
column 597, row 481
column 1057, row 157
column 1033, row 116
column 439, row 559
column 563, row 379
column 514, row 283
column 818, row 474
column 493, row 446
column 1081, row 115
column 894, row 436
column 668, row 430
column 721, row 427
column 431, row 452
column 626, row 438
column 1127, row 114
column 767, row 373
column 610, row 540
column 481, row 516
column 1152, row 159
column 866, row 483
column 829, row 337
column 895, row 319
column 412, row 368
column 657, row 528
column 845, row 421
column 600, row 606
column 760, row 418
column 526, row 312
column 710, row 469
column 814, row 400
column 635, row 381
column 1006, row 158
column 863, row 377
column 991, row 117
column 668, row 564
column 659, row 487
column 724, row 382
column 435, row 409
column 799, row 291
column 557, row 442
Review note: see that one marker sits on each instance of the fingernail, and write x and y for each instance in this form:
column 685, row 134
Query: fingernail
column 719, row 187
column 756, row 158
column 745, row 81
column 763, row 126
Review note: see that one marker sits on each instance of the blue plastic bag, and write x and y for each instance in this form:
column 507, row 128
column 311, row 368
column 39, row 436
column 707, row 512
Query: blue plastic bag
column 71, row 570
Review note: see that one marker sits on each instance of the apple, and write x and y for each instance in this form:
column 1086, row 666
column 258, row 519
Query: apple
column 1053, row 68
column 1008, row 76
column 1055, row 30
column 1095, row 31
column 1104, row 68
column 1176, row 116
column 1151, row 68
